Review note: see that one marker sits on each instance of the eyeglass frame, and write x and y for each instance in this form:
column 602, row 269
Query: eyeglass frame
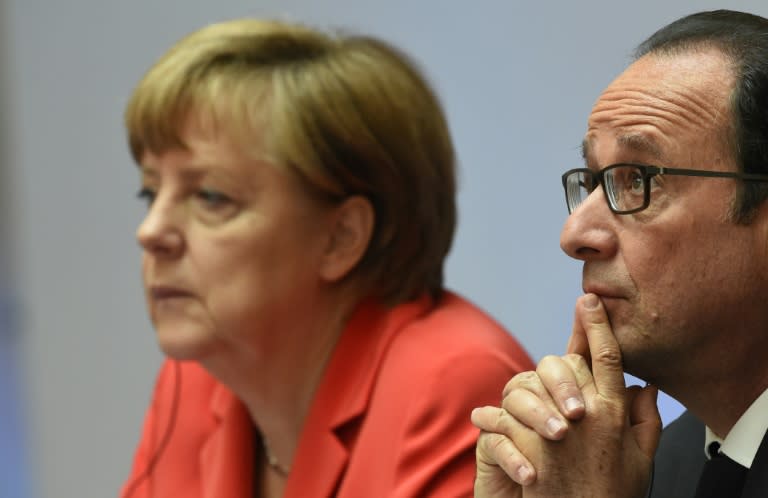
column 648, row 172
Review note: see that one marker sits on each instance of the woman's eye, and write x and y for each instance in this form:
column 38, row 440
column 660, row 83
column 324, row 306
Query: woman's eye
column 147, row 195
column 213, row 198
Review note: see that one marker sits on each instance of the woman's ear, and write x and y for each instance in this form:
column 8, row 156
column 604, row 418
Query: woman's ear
column 351, row 229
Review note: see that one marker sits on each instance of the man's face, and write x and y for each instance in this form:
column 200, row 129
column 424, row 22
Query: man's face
column 679, row 279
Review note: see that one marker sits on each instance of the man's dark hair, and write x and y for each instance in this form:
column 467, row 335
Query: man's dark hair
column 743, row 38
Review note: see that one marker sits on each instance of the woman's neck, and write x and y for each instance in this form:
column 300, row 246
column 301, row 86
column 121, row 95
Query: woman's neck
column 277, row 383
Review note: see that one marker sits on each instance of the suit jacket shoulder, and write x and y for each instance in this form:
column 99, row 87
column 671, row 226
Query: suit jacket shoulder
column 757, row 479
column 679, row 458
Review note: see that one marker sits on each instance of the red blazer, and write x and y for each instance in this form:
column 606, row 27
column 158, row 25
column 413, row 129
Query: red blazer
column 390, row 417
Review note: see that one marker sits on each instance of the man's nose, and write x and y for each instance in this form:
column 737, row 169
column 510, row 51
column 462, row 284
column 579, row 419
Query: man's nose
column 589, row 231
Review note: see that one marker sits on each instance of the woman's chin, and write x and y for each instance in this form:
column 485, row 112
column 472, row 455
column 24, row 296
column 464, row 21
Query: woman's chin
column 185, row 343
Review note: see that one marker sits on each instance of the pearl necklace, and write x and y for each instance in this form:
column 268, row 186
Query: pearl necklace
column 272, row 461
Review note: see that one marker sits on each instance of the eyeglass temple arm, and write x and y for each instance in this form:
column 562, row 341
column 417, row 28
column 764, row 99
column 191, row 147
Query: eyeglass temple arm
column 715, row 174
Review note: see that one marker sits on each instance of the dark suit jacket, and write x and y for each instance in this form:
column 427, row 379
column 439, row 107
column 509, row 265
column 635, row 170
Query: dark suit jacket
column 680, row 458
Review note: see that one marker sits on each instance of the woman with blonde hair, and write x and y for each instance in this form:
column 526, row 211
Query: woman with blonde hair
column 301, row 203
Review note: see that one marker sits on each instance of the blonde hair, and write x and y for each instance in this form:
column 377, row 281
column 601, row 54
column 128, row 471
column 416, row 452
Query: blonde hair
column 348, row 115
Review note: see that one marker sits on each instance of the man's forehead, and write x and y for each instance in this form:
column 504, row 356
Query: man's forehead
column 658, row 100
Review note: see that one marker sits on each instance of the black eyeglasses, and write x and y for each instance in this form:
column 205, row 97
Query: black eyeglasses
column 628, row 186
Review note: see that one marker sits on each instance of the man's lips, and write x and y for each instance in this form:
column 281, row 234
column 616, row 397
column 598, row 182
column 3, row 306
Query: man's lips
column 602, row 292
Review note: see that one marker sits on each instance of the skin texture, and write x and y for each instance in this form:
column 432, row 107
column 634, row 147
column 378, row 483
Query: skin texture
column 668, row 281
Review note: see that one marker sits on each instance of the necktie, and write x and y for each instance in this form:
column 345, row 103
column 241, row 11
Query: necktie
column 721, row 477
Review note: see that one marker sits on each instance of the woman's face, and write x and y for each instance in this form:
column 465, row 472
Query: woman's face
column 232, row 248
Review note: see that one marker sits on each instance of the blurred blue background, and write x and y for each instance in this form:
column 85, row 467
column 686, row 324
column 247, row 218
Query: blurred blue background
column 77, row 355
column 14, row 480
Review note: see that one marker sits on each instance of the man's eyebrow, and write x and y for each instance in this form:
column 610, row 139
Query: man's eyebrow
column 633, row 141
column 641, row 144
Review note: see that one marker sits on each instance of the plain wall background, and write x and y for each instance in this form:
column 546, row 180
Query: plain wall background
column 517, row 79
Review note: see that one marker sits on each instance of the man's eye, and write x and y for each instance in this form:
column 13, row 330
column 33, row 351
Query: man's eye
column 147, row 195
column 636, row 183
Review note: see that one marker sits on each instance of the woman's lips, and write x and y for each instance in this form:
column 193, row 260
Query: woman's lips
column 162, row 292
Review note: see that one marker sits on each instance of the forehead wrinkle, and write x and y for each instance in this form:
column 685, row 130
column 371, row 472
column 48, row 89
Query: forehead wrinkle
column 637, row 114
column 627, row 108
column 690, row 93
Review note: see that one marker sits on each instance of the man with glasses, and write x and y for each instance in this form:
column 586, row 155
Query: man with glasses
column 669, row 216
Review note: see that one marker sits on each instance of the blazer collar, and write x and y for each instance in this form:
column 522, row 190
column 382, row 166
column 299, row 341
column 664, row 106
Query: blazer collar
column 342, row 397
column 226, row 458
column 344, row 393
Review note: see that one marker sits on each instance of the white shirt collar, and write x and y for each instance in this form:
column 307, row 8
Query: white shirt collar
column 742, row 443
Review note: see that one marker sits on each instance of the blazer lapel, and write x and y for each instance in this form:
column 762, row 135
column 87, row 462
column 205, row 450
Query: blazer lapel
column 342, row 397
column 757, row 478
column 226, row 457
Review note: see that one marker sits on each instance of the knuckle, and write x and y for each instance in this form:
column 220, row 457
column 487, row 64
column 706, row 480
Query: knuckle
column 500, row 420
column 497, row 444
column 492, row 447
column 508, row 387
column 564, row 386
column 608, row 356
column 528, row 379
column 483, row 448
column 522, row 380
column 547, row 360
column 614, row 417
column 513, row 401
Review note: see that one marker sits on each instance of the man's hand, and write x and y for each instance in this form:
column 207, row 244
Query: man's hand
column 572, row 428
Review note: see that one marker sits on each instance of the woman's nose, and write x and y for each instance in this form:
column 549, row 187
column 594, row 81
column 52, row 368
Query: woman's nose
column 160, row 232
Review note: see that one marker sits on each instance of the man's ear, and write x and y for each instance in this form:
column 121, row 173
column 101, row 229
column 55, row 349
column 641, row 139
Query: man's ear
column 351, row 229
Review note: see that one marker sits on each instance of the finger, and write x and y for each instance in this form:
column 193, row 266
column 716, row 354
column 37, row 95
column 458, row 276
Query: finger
column 606, row 364
column 560, row 381
column 644, row 418
column 500, row 421
column 528, row 400
column 495, row 448
column 536, row 414
column 523, row 380
column 577, row 343
column 492, row 482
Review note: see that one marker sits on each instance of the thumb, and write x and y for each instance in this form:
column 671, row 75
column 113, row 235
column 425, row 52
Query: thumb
column 644, row 418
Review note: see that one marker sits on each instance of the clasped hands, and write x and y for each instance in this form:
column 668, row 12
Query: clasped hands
column 571, row 428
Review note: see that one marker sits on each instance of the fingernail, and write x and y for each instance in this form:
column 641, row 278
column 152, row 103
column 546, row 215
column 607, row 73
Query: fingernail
column 591, row 302
column 523, row 474
column 555, row 426
column 573, row 405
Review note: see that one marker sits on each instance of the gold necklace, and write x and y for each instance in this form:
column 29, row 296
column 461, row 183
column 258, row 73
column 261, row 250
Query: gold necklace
column 272, row 461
